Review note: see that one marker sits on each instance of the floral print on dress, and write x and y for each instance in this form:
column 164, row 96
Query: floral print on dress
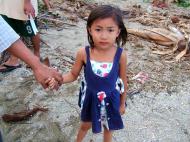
column 105, row 74
column 104, row 66
column 101, row 69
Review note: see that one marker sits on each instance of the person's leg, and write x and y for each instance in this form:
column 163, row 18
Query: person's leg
column 26, row 29
column 4, row 57
column 47, row 4
column 84, row 127
column 36, row 44
column 107, row 135
column 11, row 64
column 12, row 61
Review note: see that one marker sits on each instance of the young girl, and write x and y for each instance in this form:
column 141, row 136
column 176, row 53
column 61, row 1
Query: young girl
column 103, row 92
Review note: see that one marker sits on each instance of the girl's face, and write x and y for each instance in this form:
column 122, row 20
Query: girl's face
column 104, row 32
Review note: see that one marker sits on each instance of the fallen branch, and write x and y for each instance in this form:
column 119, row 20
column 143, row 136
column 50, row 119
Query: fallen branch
column 45, row 43
column 23, row 115
column 56, row 21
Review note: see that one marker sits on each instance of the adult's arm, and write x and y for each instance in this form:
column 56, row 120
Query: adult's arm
column 41, row 72
column 10, row 40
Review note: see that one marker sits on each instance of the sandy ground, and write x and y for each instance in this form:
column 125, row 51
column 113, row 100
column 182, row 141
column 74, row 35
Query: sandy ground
column 160, row 112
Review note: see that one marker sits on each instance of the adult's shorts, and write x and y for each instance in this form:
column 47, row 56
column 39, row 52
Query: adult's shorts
column 23, row 28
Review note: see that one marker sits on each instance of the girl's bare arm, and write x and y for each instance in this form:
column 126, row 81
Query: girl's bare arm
column 123, row 75
column 75, row 71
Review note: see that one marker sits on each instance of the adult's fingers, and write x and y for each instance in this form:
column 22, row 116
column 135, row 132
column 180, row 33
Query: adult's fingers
column 44, row 84
column 47, row 81
column 28, row 12
column 58, row 77
column 32, row 12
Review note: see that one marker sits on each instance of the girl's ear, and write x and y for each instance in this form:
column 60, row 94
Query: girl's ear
column 89, row 30
column 118, row 32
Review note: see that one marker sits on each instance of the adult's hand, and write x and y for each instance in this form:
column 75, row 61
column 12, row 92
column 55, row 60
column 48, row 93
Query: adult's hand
column 28, row 8
column 42, row 73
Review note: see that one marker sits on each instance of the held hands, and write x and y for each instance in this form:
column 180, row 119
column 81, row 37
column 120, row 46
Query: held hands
column 43, row 73
column 52, row 83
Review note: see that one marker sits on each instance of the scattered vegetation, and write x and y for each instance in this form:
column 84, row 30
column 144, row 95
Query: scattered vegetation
column 183, row 3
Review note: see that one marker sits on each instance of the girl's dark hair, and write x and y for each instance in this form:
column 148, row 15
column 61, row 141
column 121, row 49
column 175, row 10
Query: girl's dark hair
column 106, row 11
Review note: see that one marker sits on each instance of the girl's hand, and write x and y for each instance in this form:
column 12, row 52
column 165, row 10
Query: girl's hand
column 52, row 83
column 122, row 109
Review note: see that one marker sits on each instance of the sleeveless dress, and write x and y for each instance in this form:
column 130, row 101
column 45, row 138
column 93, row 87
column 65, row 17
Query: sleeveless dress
column 99, row 96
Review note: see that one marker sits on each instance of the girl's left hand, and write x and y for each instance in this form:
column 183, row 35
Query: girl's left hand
column 122, row 109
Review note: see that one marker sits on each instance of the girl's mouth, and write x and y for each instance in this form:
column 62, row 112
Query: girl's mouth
column 103, row 43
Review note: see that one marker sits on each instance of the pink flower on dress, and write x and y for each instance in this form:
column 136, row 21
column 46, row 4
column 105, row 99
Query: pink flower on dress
column 101, row 95
column 105, row 74
column 104, row 66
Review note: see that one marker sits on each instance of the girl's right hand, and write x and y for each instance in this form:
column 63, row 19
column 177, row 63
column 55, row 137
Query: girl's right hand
column 52, row 83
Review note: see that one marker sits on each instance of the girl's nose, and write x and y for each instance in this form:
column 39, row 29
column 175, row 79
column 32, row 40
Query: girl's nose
column 103, row 35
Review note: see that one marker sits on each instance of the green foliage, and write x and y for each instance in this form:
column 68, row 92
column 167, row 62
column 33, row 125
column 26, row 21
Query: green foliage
column 183, row 3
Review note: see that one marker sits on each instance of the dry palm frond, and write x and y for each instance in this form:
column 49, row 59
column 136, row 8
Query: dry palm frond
column 172, row 38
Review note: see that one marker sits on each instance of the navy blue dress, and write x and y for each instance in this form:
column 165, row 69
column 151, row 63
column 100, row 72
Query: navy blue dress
column 95, row 85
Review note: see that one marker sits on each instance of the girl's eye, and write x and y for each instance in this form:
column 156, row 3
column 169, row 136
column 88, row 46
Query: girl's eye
column 111, row 30
column 98, row 30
